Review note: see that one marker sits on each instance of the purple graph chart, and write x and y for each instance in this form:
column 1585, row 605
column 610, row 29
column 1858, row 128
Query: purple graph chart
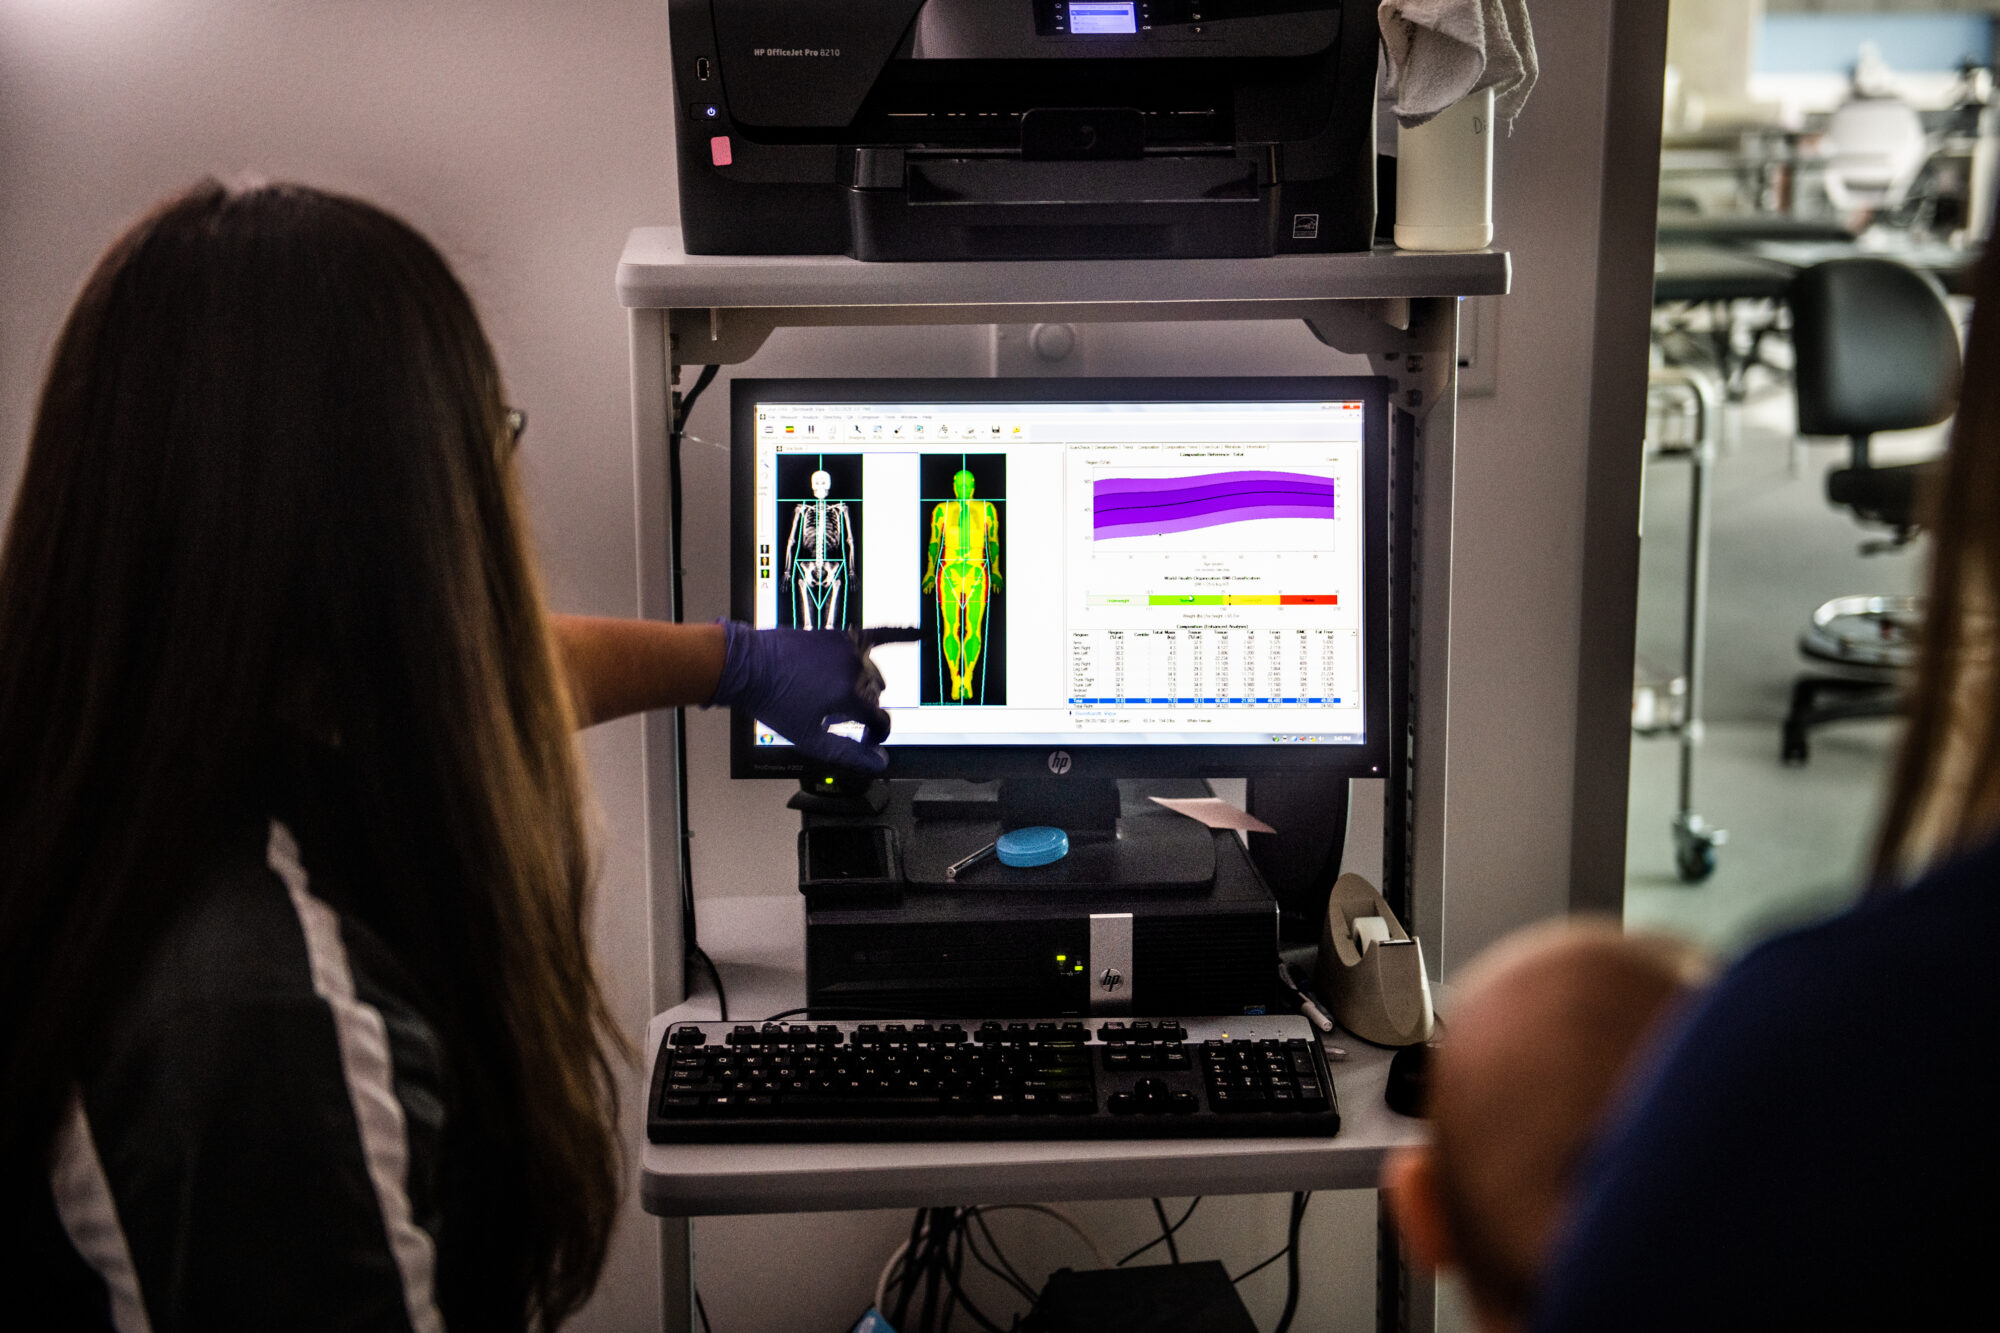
column 1148, row 506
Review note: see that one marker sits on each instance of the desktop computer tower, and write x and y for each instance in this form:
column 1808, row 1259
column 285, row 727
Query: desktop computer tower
column 1046, row 952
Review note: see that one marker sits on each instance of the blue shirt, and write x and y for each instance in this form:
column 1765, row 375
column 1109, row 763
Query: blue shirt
column 1816, row 1148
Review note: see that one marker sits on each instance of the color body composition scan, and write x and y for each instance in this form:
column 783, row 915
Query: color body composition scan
column 1147, row 563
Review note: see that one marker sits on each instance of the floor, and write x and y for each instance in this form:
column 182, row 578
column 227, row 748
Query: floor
column 1798, row 838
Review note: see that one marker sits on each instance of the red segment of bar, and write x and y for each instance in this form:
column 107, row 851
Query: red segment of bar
column 1309, row 599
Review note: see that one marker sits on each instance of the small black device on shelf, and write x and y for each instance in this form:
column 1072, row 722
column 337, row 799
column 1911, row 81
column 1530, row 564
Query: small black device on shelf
column 993, row 1079
column 835, row 793
column 1146, row 1298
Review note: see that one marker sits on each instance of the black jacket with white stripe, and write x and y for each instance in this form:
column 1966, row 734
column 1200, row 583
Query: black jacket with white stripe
column 266, row 1137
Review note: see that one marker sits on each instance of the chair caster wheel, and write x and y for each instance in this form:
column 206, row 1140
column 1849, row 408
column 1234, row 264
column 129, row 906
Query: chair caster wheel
column 1694, row 848
column 1695, row 861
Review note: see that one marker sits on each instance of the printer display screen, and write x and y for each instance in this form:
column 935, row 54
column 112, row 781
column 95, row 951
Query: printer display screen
column 1086, row 18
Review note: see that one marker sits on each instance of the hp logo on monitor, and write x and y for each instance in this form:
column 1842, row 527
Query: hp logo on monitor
column 1059, row 762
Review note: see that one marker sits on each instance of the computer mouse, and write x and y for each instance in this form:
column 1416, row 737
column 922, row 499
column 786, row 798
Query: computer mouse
column 1409, row 1079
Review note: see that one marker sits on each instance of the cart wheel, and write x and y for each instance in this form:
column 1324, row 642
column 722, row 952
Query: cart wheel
column 1796, row 750
column 1694, row 857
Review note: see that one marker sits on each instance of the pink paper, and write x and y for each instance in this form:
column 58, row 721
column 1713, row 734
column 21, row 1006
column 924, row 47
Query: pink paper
column 1214, row 812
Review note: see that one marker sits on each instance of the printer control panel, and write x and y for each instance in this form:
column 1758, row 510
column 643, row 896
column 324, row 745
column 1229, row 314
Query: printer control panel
column 1131, row 18
column 1103, row 18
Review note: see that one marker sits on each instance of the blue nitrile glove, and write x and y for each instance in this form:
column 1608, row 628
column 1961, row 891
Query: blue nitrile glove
column 797, row 682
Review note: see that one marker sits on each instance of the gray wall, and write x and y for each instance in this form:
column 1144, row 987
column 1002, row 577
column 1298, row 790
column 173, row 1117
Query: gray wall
column 1526, row 623
column 526, row 138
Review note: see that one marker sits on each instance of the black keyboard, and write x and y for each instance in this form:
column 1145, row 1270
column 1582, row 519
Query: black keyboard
column 1001, row 1079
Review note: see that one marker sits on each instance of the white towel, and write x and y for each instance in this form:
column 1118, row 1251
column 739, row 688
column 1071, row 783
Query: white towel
column 1442, row 50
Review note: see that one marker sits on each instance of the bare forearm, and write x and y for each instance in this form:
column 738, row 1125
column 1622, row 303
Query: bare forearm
column 617, row 667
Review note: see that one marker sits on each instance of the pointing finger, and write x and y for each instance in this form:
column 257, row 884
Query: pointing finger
column 869, row 638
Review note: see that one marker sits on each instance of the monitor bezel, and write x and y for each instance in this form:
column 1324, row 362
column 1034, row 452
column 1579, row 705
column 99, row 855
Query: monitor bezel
column 1370, row 759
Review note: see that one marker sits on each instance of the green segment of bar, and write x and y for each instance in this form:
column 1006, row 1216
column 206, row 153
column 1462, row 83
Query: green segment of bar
column 1162, row 599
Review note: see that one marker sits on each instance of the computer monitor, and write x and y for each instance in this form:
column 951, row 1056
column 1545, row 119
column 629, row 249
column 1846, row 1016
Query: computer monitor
column 1114, row 577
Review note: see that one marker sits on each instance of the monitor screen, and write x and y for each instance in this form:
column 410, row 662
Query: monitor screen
column 1115, row 577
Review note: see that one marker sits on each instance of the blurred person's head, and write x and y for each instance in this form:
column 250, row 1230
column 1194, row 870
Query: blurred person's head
column 268, row 556
column 1543, row 1028
column 1944, row 790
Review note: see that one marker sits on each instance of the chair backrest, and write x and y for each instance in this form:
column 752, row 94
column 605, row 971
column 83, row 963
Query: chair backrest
column 1874, row 149
column 1876, row 348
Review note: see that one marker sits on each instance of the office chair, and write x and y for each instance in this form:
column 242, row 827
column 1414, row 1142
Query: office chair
column 1876, row 350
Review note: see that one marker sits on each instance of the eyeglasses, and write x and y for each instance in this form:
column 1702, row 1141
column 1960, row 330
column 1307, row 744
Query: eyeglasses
column 517, row 426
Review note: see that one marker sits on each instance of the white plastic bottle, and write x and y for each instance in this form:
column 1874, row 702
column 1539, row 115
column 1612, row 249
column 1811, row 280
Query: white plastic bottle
column 1444, row 179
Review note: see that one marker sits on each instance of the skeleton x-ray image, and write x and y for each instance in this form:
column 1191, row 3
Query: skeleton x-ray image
column 819, row 568
column 961, row 521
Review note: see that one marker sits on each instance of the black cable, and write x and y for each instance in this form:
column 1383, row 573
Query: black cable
column 1158, row 1239
column 1248, row 1272
column 701, row 382
column 937, row 1266
column 972, row 1245
column 701, row 1310
column 955, row 1274
column 721, row 995
column 676, row 577
column 952, row 1237
column 1011, row 1277
column 927, row 1275
column 906, row 1280
column 1001, row 1255
column 1167, row 1234
column 1299, row 1202
column 933, row 1267
column 930, row 1266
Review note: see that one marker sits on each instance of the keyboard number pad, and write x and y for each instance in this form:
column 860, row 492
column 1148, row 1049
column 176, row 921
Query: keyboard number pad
column 1266, row 1075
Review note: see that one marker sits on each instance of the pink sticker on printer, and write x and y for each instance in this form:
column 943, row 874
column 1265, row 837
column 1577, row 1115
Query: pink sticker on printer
column 718, row 150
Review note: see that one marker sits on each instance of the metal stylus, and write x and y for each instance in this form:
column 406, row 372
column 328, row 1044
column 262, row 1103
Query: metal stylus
column 951, row 871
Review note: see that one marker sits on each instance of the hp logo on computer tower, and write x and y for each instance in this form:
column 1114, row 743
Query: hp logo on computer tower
column 1059, row 762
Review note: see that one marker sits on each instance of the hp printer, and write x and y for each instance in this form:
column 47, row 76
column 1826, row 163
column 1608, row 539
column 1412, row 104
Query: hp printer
column 1025, row 129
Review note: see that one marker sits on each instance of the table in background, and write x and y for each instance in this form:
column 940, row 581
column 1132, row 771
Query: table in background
column 1715, row 272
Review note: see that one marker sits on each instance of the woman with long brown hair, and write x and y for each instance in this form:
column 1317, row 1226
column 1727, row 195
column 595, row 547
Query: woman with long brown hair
column 1815, row 1148
column 298, row 1024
